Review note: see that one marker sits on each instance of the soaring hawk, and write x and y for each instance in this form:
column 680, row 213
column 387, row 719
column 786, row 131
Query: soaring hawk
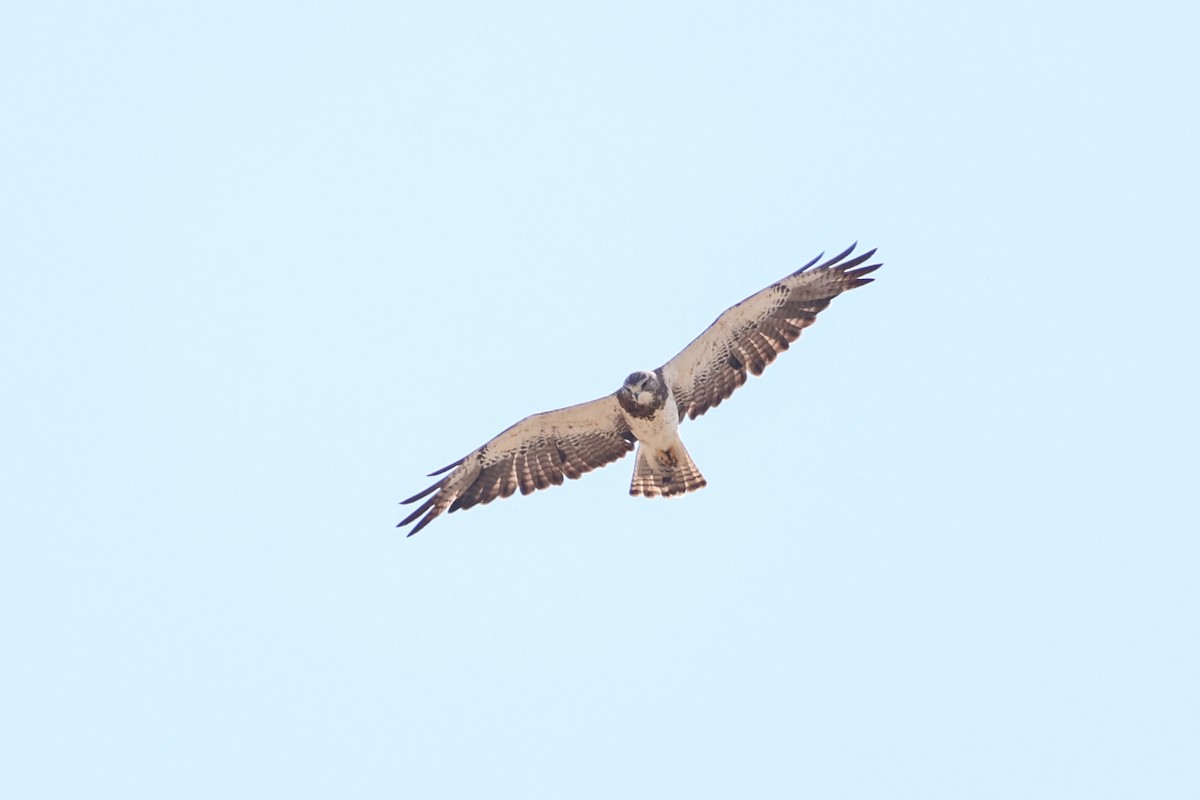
column 540, row 450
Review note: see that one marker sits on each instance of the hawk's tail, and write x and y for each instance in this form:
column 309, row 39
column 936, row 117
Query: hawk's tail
column 665, row 473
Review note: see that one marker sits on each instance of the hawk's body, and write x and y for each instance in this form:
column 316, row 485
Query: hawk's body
column 663, row 466
column 540, row 450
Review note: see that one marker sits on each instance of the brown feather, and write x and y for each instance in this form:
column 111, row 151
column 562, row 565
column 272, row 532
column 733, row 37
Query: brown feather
column 749, row 336
column 538, row 452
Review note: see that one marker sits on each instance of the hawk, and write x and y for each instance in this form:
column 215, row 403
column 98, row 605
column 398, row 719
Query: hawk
column 540, row 450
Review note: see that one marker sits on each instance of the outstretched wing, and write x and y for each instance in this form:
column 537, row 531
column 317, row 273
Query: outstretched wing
column 536, row 453
column 750, row 335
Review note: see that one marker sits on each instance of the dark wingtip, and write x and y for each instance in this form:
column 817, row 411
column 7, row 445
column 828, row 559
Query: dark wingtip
column 857, row 274
column 420, row 494
column 428, row 504
column 446, row 468
column 820, row 255
column 841, row 255
column 428, row 519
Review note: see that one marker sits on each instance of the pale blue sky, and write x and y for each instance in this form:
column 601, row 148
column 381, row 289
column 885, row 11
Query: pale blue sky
column 267, row 264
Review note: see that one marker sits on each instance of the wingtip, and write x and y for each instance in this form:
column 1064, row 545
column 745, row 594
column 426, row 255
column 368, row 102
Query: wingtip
column 416, row 527
column 421, row 509
column 807, row 266
column 420, row 494
column 861, row 271
column 841, row 255
column 446, row 468
column 428, row 519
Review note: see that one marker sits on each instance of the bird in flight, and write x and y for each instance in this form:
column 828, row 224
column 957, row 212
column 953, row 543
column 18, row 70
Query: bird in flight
column 540, row 450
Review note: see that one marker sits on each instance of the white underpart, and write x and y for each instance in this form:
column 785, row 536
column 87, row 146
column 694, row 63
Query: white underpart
column 659, row 431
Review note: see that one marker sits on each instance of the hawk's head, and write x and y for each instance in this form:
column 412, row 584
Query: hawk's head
column 645, row 389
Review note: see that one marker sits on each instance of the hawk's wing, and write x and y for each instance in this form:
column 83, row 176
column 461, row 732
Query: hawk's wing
column 533, row 454
column 751, row 334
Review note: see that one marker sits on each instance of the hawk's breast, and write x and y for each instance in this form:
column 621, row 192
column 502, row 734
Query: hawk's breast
column 659, row 428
